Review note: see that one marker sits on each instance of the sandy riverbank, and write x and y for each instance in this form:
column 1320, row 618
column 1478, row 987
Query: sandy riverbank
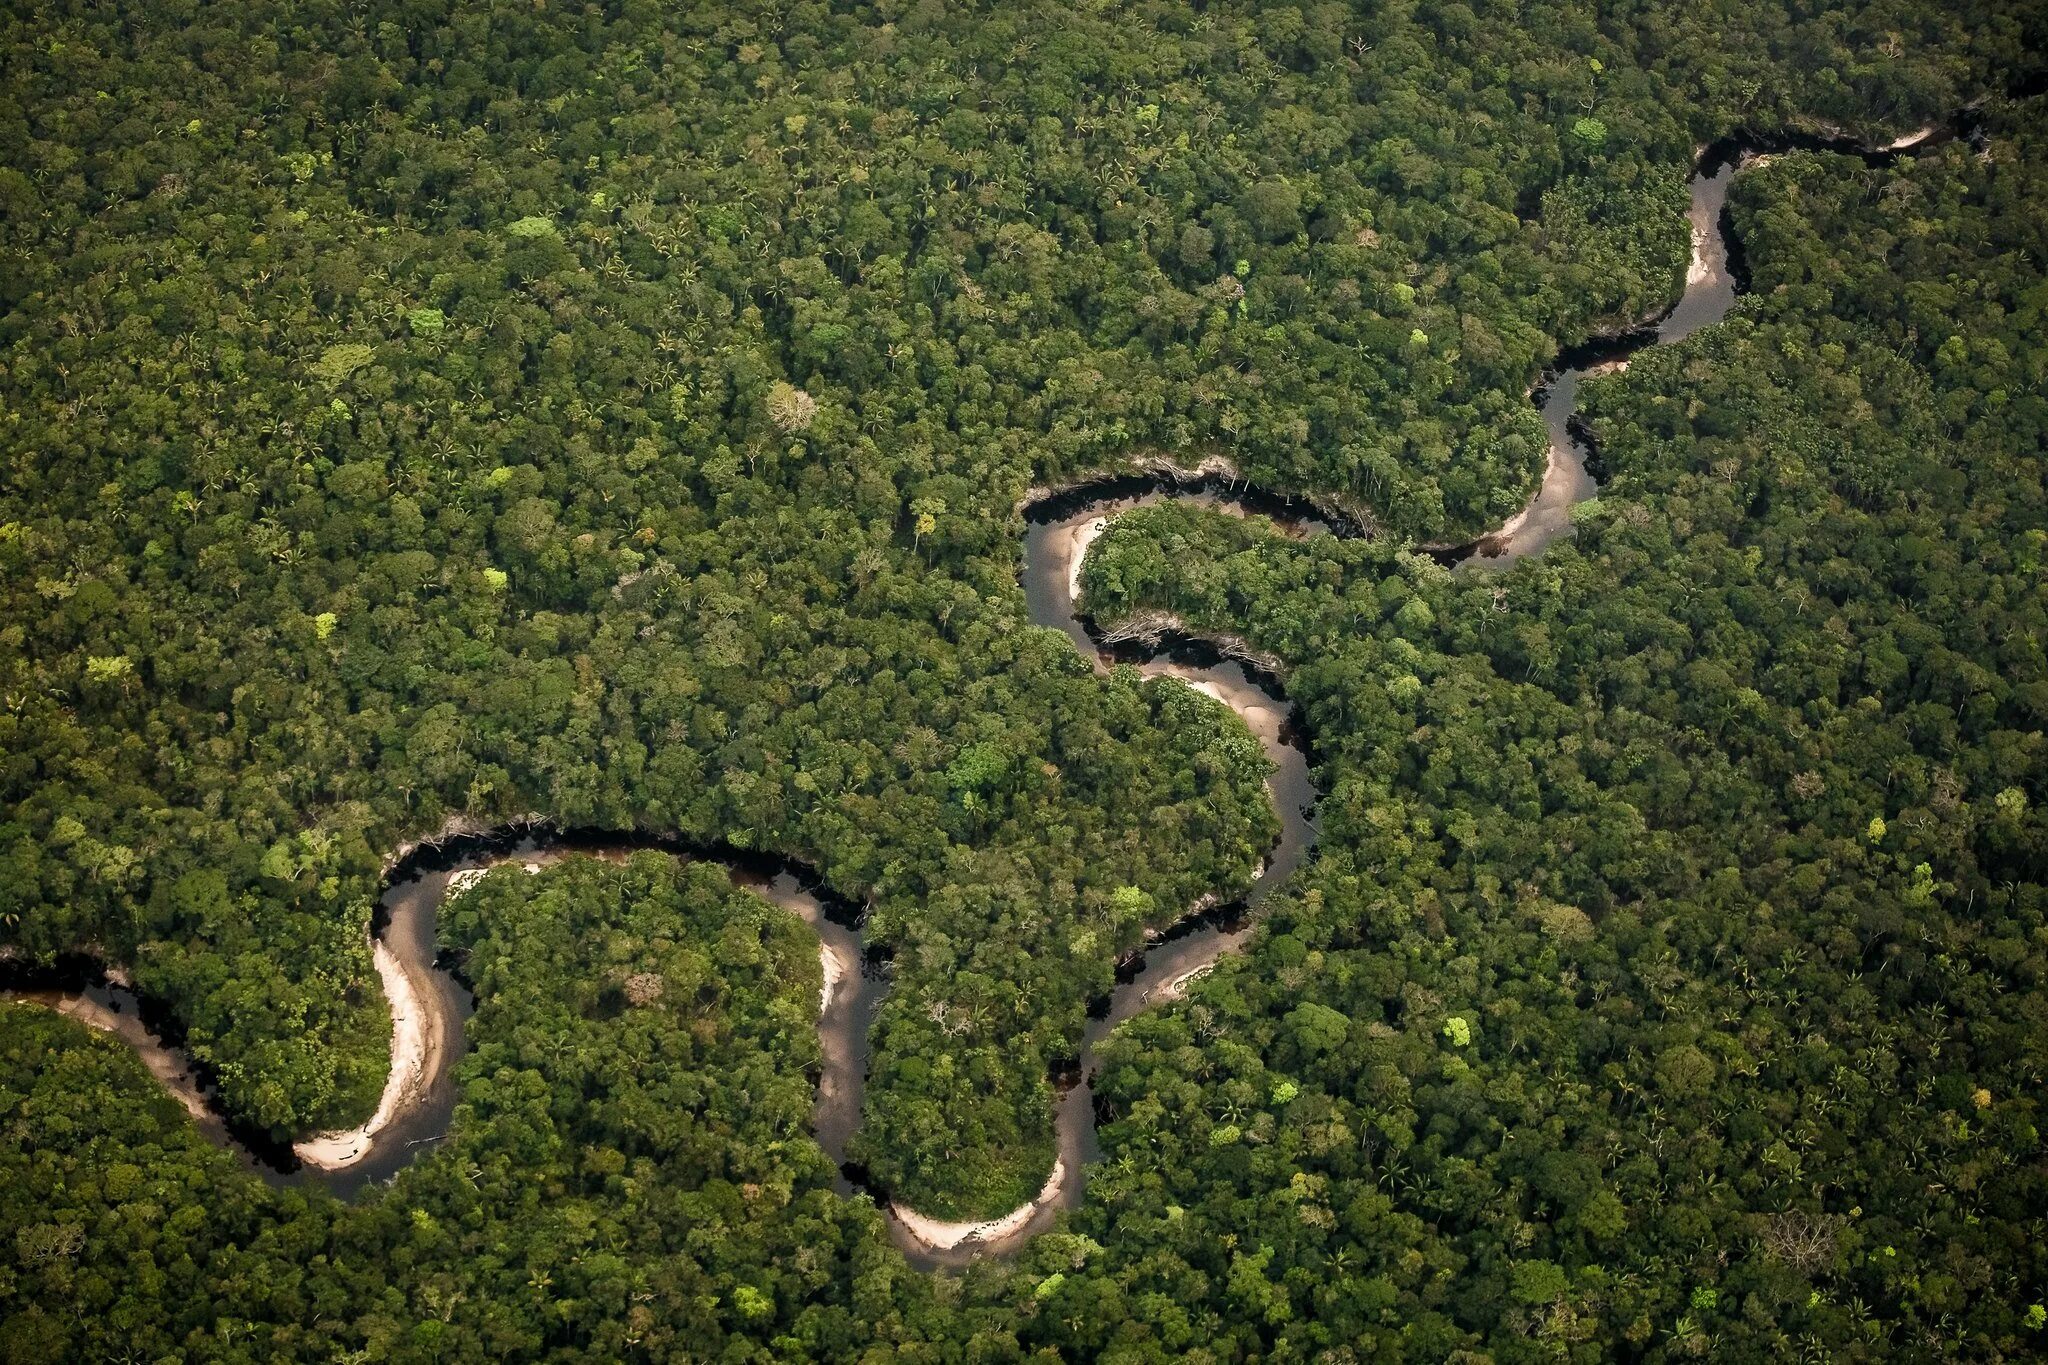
column 167, row 1066
column 419, row 1034
column 416, row 1038
column 944, row 1236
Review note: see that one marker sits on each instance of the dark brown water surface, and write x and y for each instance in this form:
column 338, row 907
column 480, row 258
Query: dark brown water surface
column 1059, row 529
column 1712, row 285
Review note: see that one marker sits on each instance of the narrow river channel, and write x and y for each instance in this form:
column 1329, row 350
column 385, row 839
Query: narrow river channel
column 430, row 1005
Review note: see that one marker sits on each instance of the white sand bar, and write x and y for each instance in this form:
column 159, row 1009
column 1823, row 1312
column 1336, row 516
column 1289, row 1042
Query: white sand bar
column 941, row 1236
column 836, row 969
column 415, row 1034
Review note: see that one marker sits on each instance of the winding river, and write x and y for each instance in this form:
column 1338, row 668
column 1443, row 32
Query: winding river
column 1712, row 285
column 430, row 1005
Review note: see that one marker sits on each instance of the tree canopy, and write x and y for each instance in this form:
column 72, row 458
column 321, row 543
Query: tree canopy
column 423, row 416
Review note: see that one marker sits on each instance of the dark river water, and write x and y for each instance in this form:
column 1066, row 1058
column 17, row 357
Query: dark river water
column 1059, row 529
column 1712, row 285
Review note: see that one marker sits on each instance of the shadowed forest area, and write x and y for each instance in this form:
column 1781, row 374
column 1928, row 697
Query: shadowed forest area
column 421, row 417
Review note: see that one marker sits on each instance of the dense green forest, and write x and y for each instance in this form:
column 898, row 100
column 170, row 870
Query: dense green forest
column 1674, row 966
column 418, row 414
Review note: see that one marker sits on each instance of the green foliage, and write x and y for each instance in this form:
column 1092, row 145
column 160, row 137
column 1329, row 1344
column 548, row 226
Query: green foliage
column 586, row 552
column 109, row 668
column 607, row 1126
column 1272, row 209
column 978, row 769
column 1538, row 1282
column 1649, row 761
column 338, row 362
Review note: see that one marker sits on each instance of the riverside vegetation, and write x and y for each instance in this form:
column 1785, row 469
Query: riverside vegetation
column 620, row 414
